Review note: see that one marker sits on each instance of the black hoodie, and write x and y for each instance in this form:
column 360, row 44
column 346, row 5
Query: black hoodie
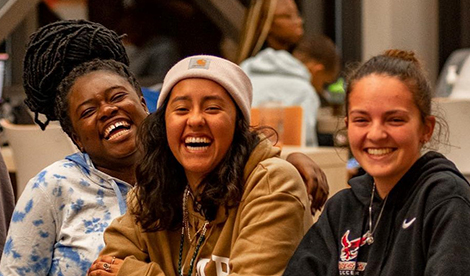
column 424, row 228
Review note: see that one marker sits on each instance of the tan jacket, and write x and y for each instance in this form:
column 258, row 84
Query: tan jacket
column 256, row 238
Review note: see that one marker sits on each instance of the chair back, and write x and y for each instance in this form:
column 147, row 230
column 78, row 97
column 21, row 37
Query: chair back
column 456, row 112
column 34, row 149
column 293, row 129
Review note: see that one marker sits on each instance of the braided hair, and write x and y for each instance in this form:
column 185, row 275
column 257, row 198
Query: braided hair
column 54, row 50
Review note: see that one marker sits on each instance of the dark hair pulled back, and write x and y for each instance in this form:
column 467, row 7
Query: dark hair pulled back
column 402, row 65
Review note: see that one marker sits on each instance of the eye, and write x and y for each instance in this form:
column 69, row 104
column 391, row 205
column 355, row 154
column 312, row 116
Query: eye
column 359, row 120
column 397, row 120
column 118, row 97
column 180, row 109
column 213, row 108
column 87, row 112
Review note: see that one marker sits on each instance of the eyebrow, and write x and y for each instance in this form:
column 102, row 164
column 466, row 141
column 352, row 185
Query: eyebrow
column 387, row 113
column 106, row 91
column 204, row 99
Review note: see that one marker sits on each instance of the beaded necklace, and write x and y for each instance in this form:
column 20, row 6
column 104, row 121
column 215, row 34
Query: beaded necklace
column 186, row 225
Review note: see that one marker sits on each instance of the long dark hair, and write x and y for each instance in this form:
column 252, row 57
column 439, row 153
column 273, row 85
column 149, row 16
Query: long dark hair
column 161, row 179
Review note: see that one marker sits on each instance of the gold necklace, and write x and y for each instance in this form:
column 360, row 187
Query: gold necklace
column 370, row 233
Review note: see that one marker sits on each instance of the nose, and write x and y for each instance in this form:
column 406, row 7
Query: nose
column 377, row 132
column 106, row 111
column 299, row 20
column 196, row 119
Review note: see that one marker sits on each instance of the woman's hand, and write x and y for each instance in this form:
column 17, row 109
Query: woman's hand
column 314, row 178
column 105, row 266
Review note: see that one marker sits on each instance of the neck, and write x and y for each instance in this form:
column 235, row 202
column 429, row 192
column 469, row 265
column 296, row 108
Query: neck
column 194, row 182
column 125, row 174
column 383, row 187
column 278, row 45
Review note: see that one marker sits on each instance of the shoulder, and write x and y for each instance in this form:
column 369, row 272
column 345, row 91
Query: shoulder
column 443, row 186
column 273, row 176
column 343, row 200
column 57, row 171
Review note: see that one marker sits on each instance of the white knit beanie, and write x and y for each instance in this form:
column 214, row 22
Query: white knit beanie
column 226, row 73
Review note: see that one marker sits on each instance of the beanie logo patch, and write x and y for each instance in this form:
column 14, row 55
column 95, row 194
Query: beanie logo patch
column 199, row 63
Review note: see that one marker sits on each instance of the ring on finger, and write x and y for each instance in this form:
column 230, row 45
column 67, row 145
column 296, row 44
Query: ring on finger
column 112, row 261
column 107, row 266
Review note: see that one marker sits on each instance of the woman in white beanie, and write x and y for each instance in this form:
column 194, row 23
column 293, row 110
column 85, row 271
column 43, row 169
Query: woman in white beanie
column 212, row 196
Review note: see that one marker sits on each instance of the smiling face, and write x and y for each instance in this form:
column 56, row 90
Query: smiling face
column 105, row 111
column 200, row 123
column 385, row 128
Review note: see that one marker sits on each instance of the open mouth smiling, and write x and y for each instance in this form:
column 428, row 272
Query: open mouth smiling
column 197, row 143
column 116, row 129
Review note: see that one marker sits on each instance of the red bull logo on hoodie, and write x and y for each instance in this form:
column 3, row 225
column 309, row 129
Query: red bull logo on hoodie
column 349, row 251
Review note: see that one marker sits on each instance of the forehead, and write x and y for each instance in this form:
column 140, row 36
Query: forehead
column 380, row 92
column 98, row 82
column 285, row 6
column 199, row 88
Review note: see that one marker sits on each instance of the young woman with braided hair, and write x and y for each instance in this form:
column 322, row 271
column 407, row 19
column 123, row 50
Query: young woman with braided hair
column 76, row 72
column 57, row 225
column 410, row 214
column 54, row 50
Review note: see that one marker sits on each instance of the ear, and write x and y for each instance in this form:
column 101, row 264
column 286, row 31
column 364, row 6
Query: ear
column 77, row 141
column 144, row 104
column 429, row 124
column 315, row 67
column 346, row 121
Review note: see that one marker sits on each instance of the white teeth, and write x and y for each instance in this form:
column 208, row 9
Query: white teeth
column 194, row 140
column 379, row 151
column 197, row 148
column 110, row 128
column 119, row 133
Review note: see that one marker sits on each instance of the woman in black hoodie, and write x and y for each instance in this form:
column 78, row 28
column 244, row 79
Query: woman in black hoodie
column 410, row 214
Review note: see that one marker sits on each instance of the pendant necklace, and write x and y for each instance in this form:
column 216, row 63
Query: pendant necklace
column 370, row 233
column 202, row 231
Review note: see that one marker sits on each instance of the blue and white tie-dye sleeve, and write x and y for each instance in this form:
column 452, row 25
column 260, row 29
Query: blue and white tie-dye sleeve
column 58, row 223
column 31, row 237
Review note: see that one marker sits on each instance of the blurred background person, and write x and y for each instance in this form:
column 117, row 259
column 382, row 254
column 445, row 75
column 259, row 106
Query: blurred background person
column 319, row 54
column 278, row 76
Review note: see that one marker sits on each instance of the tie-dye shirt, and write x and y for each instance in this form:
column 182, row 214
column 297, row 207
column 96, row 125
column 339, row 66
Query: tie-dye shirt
column 58, row 223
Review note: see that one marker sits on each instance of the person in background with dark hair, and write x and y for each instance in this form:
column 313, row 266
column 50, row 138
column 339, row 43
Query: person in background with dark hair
column 319, row 54
column 212, row 197
column 151, row 51
column 75, row 71
column 410, row 213
column 7, row 202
